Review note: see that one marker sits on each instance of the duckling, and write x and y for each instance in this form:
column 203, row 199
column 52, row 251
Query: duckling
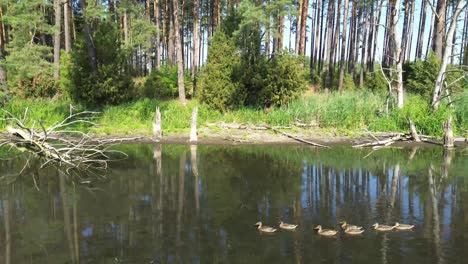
column 325, row 232
column 266, row 229
column 353, row 231
column 345, row 225
column 382, row 227
column 403, row 226
column 287, row 226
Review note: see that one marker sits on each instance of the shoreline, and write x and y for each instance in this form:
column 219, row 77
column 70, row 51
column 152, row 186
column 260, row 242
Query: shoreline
column 232, row 136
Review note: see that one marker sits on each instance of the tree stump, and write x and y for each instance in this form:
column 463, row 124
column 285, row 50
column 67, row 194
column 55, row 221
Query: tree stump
column 193, row 130
column 414, row 133
column 157, row 131
column 448, row 133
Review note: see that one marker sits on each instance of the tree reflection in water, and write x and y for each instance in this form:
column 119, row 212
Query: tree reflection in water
column 162, row 206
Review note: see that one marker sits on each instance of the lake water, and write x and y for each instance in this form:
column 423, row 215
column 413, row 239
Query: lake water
column 199, row 204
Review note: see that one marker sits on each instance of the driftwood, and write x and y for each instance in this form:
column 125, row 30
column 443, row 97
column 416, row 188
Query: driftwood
column 296, row 138
column 414, row 133
column 60, row 145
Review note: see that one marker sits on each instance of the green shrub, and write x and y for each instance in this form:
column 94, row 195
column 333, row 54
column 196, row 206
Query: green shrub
column 284, row 80
column 376, row 81
column 216, row 86
column 162, row 83
column 420, row 76
column 111, row 83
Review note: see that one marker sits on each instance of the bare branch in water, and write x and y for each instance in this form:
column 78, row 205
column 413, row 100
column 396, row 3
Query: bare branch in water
column 61, row 145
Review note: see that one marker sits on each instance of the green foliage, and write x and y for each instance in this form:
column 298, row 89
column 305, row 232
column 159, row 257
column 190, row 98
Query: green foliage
column 111, row 83
column 345, row 112
column 376, row 81
column 217, row 86
column 420, row 76
column 284, row 80
column 419, row 110
column 162, row 83
column 28, row 62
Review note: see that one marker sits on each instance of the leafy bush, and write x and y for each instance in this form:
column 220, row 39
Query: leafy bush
column 284, row 80
column 162, row 83
column 111, row 83
column 217, row 86
column 420, row 76
column 376, row 81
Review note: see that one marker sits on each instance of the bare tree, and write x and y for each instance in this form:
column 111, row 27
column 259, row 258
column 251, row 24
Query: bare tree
column 447, row 52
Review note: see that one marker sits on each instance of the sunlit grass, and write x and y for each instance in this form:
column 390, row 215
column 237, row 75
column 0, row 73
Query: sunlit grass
column 346, row 112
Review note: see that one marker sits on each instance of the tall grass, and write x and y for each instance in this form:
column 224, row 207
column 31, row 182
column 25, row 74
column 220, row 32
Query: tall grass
column 347, row 112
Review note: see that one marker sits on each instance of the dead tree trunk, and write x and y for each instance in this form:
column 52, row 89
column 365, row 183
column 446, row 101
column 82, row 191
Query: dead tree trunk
column 157, row 131
column 414, row 133
column 447, row 52
column 448, row 133
column 193, row 127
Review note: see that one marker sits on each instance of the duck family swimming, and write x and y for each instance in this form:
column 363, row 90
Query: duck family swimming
column 348, row 229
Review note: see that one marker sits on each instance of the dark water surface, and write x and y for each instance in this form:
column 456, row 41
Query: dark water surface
column 199, row 204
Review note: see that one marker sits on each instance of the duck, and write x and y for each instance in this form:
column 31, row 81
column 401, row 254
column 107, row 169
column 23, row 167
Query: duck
column 325, row 232
column 403, row 226
column 345, row 225
column 382, row 227
column 266, row 229
column 287, row 226
column 353, row 231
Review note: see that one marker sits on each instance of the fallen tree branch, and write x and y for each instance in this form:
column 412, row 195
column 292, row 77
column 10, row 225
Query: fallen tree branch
column 56, row 145
column 296, row 138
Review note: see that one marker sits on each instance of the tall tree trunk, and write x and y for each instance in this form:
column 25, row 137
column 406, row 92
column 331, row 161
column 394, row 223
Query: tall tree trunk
column 431, row 32
column 302, row 41
column 58, row 22
column 317, row 39
column 125, row 26
column 438, row 33
column 447, row 52
column 352, row 34
column 281, row 32
column 89, row 40
column 409, row 42
column 312, row 39
column 330, row 15
column 464, row 46
column 335, row 38
column 397, row 54
column 66, row 25
column 298, row 30
column 180, row 60
column 157, row 43
column 422, row 27
column 376, row 34
column 3, row 72
column 370, row 38
column 362, row 68
column 343, row 45
column 267, row 33
column 195, row 46
column 322, row 45
column 356, row 43
column 404, row 41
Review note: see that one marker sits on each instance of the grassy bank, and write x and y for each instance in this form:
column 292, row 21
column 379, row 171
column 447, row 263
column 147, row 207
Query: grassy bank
column 345, row 113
